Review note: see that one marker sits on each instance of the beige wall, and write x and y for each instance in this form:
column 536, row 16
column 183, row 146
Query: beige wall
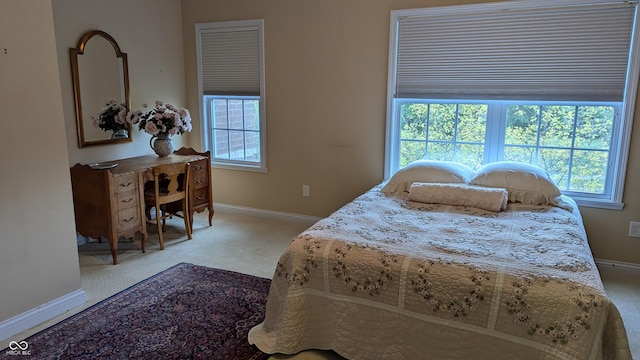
column 39, row 261
column 150, row 33
column 326, row 77
column 38, row 256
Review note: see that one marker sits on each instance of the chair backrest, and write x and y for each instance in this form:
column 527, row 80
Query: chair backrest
column 171, row 182
column 187, row 151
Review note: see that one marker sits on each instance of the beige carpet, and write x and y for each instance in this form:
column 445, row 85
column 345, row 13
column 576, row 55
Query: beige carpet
column 253, row 245
column 623, row 287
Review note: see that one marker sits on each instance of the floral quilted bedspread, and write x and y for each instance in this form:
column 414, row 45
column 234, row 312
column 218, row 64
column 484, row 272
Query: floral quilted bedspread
column 386, row 278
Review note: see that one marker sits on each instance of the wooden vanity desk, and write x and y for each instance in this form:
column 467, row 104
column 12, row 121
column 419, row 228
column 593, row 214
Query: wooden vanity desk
column 110, row 202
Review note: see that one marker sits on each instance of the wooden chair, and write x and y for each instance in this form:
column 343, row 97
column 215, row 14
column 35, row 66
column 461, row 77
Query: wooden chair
column 170, row 185
column 200, row 185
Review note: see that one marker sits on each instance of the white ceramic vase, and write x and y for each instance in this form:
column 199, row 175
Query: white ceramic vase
column 162, row 144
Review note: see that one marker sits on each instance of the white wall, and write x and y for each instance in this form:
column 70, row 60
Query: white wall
column 38, row 256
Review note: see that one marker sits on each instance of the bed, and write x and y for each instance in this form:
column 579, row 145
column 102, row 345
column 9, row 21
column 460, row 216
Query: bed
column 411, row 269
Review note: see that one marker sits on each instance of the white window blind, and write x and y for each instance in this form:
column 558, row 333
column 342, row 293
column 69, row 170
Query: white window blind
column 570, row 52
column 231, row 61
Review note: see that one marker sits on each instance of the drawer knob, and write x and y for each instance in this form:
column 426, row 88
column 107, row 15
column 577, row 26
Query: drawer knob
column 129, row 219
column 127, row 201
column 127, row 184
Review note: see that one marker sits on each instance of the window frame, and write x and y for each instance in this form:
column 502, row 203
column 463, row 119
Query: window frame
column 621, row 136
column 206, row 118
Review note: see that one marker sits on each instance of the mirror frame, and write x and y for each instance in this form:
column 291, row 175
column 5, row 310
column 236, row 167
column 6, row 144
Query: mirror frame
column 74, row 53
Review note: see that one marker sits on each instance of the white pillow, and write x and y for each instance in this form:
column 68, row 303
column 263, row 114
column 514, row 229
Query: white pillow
column 527, row 184
column 428, row 171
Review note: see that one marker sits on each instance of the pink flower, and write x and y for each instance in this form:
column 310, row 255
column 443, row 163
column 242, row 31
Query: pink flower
column 151, row 128
column 176, row 119
column 122, row 116
column 161, row 126
column 134, row 116
column 163, row 118
column 112, row 117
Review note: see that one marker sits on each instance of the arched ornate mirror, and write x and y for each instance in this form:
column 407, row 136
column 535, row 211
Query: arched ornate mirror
column 101, row 89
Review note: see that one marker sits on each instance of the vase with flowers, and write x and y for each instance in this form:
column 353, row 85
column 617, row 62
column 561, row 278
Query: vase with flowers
column 161, row 122
column 113, row 117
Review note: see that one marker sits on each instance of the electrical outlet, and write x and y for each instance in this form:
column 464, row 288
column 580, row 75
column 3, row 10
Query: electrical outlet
column 305, row 192
column 634, row 229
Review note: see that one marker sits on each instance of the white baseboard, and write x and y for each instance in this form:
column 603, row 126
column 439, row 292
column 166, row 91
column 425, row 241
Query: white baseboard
column 268, row 214
column 40, row 314
column 613, row 263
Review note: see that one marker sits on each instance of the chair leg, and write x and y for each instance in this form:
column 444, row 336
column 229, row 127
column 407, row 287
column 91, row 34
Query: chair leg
column 187, row 220
column 143, row 241
column 113, row 244
column 164, row 218
column 159, row 218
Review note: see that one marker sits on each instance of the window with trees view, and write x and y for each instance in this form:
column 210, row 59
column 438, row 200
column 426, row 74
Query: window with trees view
column 571, row 141
column 529, row 81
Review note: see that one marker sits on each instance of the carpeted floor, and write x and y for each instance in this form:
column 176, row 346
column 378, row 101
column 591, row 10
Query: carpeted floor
column 252, row 245
column 623, row 287
column 185, row 312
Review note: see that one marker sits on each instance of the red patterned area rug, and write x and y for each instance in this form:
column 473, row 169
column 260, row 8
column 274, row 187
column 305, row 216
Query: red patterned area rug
column 185, row 312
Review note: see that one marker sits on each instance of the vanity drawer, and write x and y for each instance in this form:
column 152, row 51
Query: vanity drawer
column 127, row 199
column 124, row 183
column 128, row 218
column 200, row 178
column 200, row 196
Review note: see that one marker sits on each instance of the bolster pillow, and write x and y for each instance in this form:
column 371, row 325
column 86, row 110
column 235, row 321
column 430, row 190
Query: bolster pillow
column 492, row 199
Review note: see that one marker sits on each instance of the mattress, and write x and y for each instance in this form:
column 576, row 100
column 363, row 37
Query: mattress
column 388, row 278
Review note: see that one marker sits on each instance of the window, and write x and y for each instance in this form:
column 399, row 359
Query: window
column 544, row 83
column 231, row 85
column 236, row 127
